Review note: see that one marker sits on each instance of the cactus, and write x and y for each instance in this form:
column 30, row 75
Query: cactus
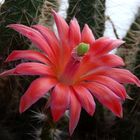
column 90, row 12
column 132, row 41
column 46, row 17
column 16, row 11
column 131, row 54
column 24, row 12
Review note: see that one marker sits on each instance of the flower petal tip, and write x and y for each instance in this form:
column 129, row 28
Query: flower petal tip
column 86, row 27
column 8, row 26
column 11, row 25
column 55, row 117
column 75, row 19
column 92, row 112
column 120, row 114
column 71, row 130
column 7, row 60
column 120, row 42
column 53, row 12
column 8, row 72
column 138, row 83
column 20, row 111
column 21, row 106
column 128, row 97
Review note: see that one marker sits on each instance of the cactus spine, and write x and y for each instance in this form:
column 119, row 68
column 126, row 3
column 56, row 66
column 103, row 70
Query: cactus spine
column 90, row 12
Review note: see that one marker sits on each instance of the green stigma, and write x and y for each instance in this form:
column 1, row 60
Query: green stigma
column 82, row 48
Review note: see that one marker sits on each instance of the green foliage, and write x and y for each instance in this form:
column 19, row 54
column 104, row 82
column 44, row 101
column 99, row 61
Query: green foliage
column 90, row 12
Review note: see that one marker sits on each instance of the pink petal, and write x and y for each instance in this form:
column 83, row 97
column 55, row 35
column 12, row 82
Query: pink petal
column 50, row 38
column 90, row 63
column 62, row 27
column 123, row 76
column 111, row 60
column 116, row 87
column 36, row 90
column 75, row 110
column 108, row 60
column 35, row 37
column 29, row 68
column 106, row 97
column 63, row 30
column 85, row 98
column 74, row 33
column 32, row 68
column 120, row 75
column 27, row 54
column 87, row 35
column 8, row 72
column 104, row 45
column 59, row 101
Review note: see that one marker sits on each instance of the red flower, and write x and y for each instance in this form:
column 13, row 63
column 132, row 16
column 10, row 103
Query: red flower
column 73, row 68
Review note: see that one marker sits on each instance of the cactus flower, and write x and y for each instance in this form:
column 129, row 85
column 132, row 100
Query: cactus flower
column 73, row 68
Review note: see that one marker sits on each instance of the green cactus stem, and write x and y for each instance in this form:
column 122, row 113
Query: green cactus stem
column 131, row 54
column 132, row 46
column 16, row 11
column 46, row 17
column 90, row 12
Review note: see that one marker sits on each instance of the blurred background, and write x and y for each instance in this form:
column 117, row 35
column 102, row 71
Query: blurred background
column 116, row 19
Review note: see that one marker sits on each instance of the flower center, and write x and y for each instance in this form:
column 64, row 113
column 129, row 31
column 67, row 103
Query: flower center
column 69, row 72
column 82, row 48
column 68, row 75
